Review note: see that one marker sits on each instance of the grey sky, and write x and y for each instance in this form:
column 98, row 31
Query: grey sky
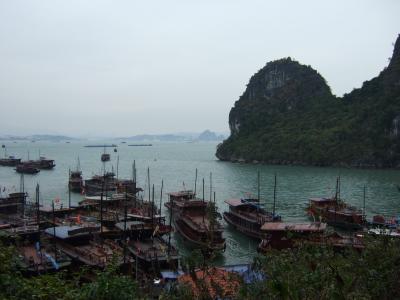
column 130, row 67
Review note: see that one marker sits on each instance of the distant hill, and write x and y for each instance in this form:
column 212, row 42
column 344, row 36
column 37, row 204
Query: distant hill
column 206, row 135
column 288, row 115
column 38, row 137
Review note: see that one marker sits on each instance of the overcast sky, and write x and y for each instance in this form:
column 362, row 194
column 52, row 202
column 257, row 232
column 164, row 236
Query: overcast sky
column 118, row 68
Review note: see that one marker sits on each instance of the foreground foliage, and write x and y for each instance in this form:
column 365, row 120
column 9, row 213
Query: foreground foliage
column 321, row 273
column 303, row 273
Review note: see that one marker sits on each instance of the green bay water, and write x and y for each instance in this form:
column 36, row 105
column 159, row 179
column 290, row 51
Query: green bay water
column 175, row 164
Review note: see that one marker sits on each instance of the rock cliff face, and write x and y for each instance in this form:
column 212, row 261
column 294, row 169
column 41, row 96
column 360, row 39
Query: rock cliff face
column 288, row 115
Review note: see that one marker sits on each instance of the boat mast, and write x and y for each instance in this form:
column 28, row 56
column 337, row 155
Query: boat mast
column 117, row 165
column 78, row 165
column 364, row 215
column 125, row 217
column 258, row 186
column 69, row 190
column 195, row 183
column 37, row 207
column 22, row 190
column 210, row 186
column 170, row 223
column 148, row 182
column 203, row 201
column 162, row 186
column 152, row 206
column 54, row 233
column 101, row 204
column 273, row 209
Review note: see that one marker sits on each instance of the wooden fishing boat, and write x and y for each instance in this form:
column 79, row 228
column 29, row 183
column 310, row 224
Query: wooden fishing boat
column 339, row 241
column 144, row 227
column 44, row 163
column 35, row 259
column 108, row 183
column 248, row 216
column 27, row 168
column 281, row 235
column 199, row 227
column 23, row 232
column 75, row 182
column 335, row 212
column 387, row 222
column 154, row 254
column 87, row 245
column 10, row 161
column 12, row 203
column 180, row 197
column 105, row 157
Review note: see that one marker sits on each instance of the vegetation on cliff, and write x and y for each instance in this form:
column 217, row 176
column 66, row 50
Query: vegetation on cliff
column 288, row 115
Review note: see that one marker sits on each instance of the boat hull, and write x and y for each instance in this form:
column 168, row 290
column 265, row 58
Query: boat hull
column 246, row 231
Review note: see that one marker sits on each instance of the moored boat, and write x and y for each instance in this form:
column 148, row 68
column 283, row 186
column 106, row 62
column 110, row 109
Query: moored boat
column 155, row 254
column 198, row 224
column 281, row 235
column 335, row 212
column 10, row 161
column 27, row 168
column 247, row 216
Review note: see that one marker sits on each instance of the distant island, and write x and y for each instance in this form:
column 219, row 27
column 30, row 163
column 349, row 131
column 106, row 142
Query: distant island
column 288, row 115
column 38, row 137
column 205, row 136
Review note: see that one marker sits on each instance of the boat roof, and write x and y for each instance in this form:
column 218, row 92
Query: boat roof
column 322, row 199
column 49, row 209
column 129, row 224
column 244, row 202
column 284, row 226
column 181, row 193
column 64, row 232
column 234, row 202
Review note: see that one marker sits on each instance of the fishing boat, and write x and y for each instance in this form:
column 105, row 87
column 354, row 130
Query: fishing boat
column 387, row 222
column 179, row 198
column 109, row 183
column 10, row 161
column 27, row 168
column 339, row 241
column 140, row 227
column 11, row 203
column 198, row 224
column 86, row 245
column 281, row 235
column 154, row 254
column 336, row 212
column 44, row 163
column 36, row 259
column 75, row 182
column 105, row 156
column 248, row 215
